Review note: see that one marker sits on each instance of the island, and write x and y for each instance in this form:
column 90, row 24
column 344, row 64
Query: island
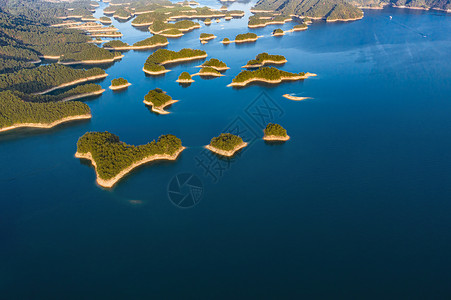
column 149, row 43
column 278, row 32
column 275, row 132
column 294, row 98
column 242, row 38
column 122, row 14
column 155, row 61
column 207, row 21
column 119, row 83
column 215, row 64
column 226, row 41
column 262, row 20
column 105, row 20
column 158, row 100
column 160, row 27
column 185, row 77
column 16, row 113
column 299, row 27
column 208, row 71
column 226, row 144
column 113, row 159
column 206, row 36
column 151, row 68
column 264, row 59
column 267, row 75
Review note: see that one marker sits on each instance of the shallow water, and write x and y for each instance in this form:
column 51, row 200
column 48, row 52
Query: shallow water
column 355, row 205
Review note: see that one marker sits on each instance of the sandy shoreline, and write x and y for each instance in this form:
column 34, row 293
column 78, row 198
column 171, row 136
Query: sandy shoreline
column 72, row 83
column 264, row 62
column 276, row 138
column 119, row 87
column 109, row 183
column 185, row 81
column 99, row 92
column 160, row 109
column 244, row 83
column 46, row 125
column 294, row 98
column 49, row 56
column 155, row 73
column 91, row 62
column 270, row 23
column 216, row 68
column 228, row 153
column 208, row 38
column 136, row 47
column 183, row 59
column 207, row 74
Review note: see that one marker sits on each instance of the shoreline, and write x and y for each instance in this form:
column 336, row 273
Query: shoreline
column 106, row 35
column 119, row 87
column 271, row 23
column 268, row 61
column 91, row 62
column 91, row 78
column 182, row 30
column 345, row 20
column 56, row 57
column 276, row 138
column 46, row 125
column 208, row 38
column 294, row 98
column 160, row 109
column 184, row 81
column 207, row 74
column 136, row 47
column 183, row 59
column 99, row 92
column 109, row 183
column 216, row 68
column 227, row 153
column 294, row 78
column 155, row 73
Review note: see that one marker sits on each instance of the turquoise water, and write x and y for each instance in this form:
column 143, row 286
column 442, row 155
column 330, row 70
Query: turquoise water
column 355, row 205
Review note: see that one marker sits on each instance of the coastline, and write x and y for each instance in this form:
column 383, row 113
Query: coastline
column 208, row 38
column 119, row 87
column 109, row 183
column 99, row 92
column 72, row 83
column 244, row 83
column 183, row 59
column 136, row 47
column 184, row 81
column 91, row 62
column 216, row 68
column 160, row 109
column 155, row 73
column 270, row 23
column 46, row 125
column 227, row 153
column 276, row 138
column 264, row 62
column 207, row 74
column 294, row 98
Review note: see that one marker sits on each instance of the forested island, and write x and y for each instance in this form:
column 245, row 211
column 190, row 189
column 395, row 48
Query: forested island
column 226, row 144
column 47, row 78
column 158, row 100
column 268, row 75
column 105, row 20
column 119, row 83
column 264, row 59
column 185, row 77
column 275, row 132
column 113, row 159
column 264, row 19
column 155, row 61
column 149, row 43
column 215, row 64
column 206, row 36
column 159, row 27
column 208, row 71
column 242, row 38
column 278, row 32
column 16, row 113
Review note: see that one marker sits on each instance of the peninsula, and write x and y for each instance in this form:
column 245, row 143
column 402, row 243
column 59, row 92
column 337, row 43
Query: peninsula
column 158, row 100
column 113, row 159
column 267, row 75
column 226, row 144
column 265, row 59
column 119, row 83
column 275, row 132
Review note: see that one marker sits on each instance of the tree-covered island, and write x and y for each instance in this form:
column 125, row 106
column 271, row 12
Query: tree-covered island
column 226, row 144
column 155, row 61
column 208, row 71
column 16, row 113
column 278, row 32
column 275, row 132
column 264, row 59
column 264, row 19
column 113, row 159
column 246, row 37
column 159, row 27
column 149, row 43
column 268, row 75
column 215, row 64
column 158, row 100
column 119, row 83
column 185, row 77
column 206, row 36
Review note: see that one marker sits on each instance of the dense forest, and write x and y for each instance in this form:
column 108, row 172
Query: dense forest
column 265, row 58
column 112, row 156
column 44, row 77
column 78, row 90
column 118, row 81
column 160, row 26
column 269, row 73
column 163, row 55
column 226, row 141
column 215, row 63
column 246, row 36
column 275, row 129
column 157, row 97
column 14, row 111
column 210, row 71
column 185, row 76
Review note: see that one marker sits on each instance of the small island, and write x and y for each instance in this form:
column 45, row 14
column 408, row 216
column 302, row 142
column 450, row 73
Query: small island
column 226, row 41
column 275, row 132
column 113, row 159
column 226, row 144
column 185, row 77
column 242, row 38
column 149, row 43
column 208, row 71
column 215, row 64
column 105, row 20
column 207, row 21
column 267, row 75
column 158, row 100
column 16, row 113
column 278, row 32
column 122, row 14
column 155, row 61
column 119, row 83
column 172, row 29
column 206, row 36
column 294, row 98
column 265, row 59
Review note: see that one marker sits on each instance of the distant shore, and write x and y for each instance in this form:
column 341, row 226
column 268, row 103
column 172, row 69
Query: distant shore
column 227, row 153
column 109, row 183
column 244, row 83
column 46, row 125
column 67, row 84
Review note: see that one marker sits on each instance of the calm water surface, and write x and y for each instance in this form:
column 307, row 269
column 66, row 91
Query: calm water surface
column 355, row 205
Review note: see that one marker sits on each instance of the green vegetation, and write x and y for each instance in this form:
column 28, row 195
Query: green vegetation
column 268, row 73
column 15, row 111
column 275, row 129
column 330, row 10
column 206, row 36
column 160, row 27
column 79, row 90
column 162, row 56
column 261, row 20
column 207, row 21
column 209, row 70
column 112, row 156
column 215, row 63
column 105, row 20
column 265, row 58
column 44, row 77
column 115, row 44
column 122, row 13
column 277, row 31
column 157, row 97
column 226, row 141
column 172, row 32
column 95, row 53
column 300, row 26
column 152, row 67
column 119, row 81
column 185, row 76
column 153, row 40
column 246, row 36
column 226, row 40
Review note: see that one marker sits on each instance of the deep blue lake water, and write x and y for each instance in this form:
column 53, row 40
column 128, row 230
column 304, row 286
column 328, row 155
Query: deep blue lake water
column 356, row 205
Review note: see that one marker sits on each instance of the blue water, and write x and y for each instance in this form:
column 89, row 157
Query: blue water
column 356, row 205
